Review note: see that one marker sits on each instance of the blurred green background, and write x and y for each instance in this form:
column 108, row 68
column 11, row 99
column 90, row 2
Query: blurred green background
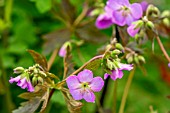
column 23, row 23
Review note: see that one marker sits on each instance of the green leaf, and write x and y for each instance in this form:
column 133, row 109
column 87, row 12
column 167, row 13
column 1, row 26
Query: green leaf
column 93, row 65
column 28, row 107
column 68, row 10
column 91, row 34
column 43, row 5
column 55, row 39
column 39, row 59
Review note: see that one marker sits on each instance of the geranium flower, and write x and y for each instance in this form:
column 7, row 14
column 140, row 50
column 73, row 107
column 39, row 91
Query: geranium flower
column 22, row 82
column 83, row 85
column 104, row 20
column 117, row 73
column 124, row 12
column 132, row 31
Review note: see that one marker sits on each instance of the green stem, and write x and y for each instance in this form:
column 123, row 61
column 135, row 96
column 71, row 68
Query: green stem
column 162, row 48
column 114, row 97
column 126, row 90
column 8, row 10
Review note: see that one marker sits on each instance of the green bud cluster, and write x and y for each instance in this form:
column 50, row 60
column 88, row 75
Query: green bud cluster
column 111, row 59
column 135, row 58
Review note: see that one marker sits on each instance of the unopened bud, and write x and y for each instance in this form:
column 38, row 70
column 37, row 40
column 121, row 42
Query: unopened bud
column 166, row 22
column 119, row 46
column 130, row 59
column 40, row 79
column 138, row 24
column 152, row 12
column 116, row 52
column 165, row 13
column 18, row 70
column 141, row 59
column 42, row 73
column 34, row 80
column 150, row 25
column 110, row 65
column 136, row 60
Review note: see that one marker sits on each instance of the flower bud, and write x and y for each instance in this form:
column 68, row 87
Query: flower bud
column 130, row 59
column 136, row 59
column 152, row 12
column 119, row 46
column 165, row 13
column 42, row 73
column 115, row 52
column 40, row 80
column 18, row 70
column 166, row 22
column 141, row 59
column 150, row 25
column 34, row 80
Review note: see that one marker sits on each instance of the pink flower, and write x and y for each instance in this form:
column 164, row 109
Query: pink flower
column 144, row 5
column 132, row 31
column 123, row 12
column 117, row 73
column 62, row 51
column 104, row 20
column 83, row 85
column 169, row 65
column 23, row 83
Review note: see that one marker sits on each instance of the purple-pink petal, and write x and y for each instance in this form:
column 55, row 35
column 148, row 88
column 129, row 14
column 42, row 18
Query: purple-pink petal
column 125, row 66
column 22, row 83
column 119, row 18
column 73, row 82
column 85, row 76
column 106, row 76
column 132, row 31
column 144, row 5
column 136, row 10
column 30, row 87
column 16, row 79
column 97, row 84
column 77, row 94
column 129, row 19
column 116, row 74
column 62, row 51
column 89, row 96
column 104, row 21
column 169, row 65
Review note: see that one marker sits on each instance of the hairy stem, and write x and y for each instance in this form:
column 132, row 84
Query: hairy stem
column 126, row 90
column 83, row 66
column 162, row 48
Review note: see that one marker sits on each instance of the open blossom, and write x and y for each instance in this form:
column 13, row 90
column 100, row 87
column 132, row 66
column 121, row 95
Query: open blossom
column 104, row 20
column 83, row 85
column 124, row 12
column 23, row 83
column 117, row 73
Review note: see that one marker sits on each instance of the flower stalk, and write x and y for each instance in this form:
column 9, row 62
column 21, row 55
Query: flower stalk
column 126, row 90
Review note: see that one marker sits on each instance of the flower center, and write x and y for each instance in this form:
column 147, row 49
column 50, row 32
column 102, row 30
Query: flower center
column 125, row 10
column 85, row 85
